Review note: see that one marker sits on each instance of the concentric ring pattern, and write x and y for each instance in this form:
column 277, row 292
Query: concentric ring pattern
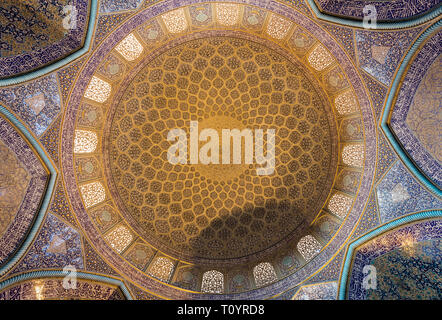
column 228, row 210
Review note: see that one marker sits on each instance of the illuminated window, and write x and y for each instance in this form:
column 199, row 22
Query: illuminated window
column 213, row 282
column 346, row 103
column 308, row 247
column 175, row 21
column 161, row 269
column 38, row 287
column 130, row 48
column 353, row 155
column 98, row 90
column 85, row 141
column 320, row 58
column 227, row 13
column 264, row 274
column 278, row 27
column 119, row 238
column 92, row 193
column 339, row 204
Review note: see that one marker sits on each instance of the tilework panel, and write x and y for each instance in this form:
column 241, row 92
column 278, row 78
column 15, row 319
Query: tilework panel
column 386, row 157
column 369, row 220
column 141, row 294
column 287, row 295
column 52, row 288
column 399, row 194
column 378, row 93
column 28, row 25
column 14, row 181
column 425, row 112
column 33, row 174
column 94, row 263
column 56, row 246
column 26, row 46
column 107, row 6
column 386, row 10
column 106, row 23
column 50, row 140
column 37, row 103
column 320, row 291
column 66, row 76
column 331, row 271
column 405, row 258
column 417, row 142
column 316, row 262
column 345, row 36
column 60, row 205
column 380, row 53
column 411, row 272
column 299, row 5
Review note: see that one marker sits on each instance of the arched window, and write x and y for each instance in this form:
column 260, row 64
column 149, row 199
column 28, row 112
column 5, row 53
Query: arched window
column 119, row 238
column 98, row 90
column 346, row 103
column 227, row 13
column 92, row 193
column 213, row 282
column 175, row 21
column 278, row 27
column 85, row 141
column 353, row 155
column 320, row 58
column 339, row 205
column 161, row 268
column 264, row 274
column 308, row 247
column 130, row 48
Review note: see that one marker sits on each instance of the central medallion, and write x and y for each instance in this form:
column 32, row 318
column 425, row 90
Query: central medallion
column 220, row 210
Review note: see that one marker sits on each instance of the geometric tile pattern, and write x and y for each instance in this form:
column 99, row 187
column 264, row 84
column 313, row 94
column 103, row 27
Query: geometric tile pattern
column 56, row 246
column 399, row 194
column 331, row 271
column 415, row 117
column 406, row 257
column 29, row 44
column 50, row 140
column 60, row 205
column 106, row 23
column 94, row 263
column 319, row 291
column 386, row 157
column 401, row 263
column 23, row 183
column 66, row 76
column 378, row 92
column 369, row 220
column 132, row 23
column 107, row 6
column 380, row 53
column 386, row 10
column 53, row 288
column 37, row 103
column 344, row 36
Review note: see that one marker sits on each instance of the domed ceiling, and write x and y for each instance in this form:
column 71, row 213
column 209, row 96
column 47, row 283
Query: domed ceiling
column 217, row 150
column 207, row 210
